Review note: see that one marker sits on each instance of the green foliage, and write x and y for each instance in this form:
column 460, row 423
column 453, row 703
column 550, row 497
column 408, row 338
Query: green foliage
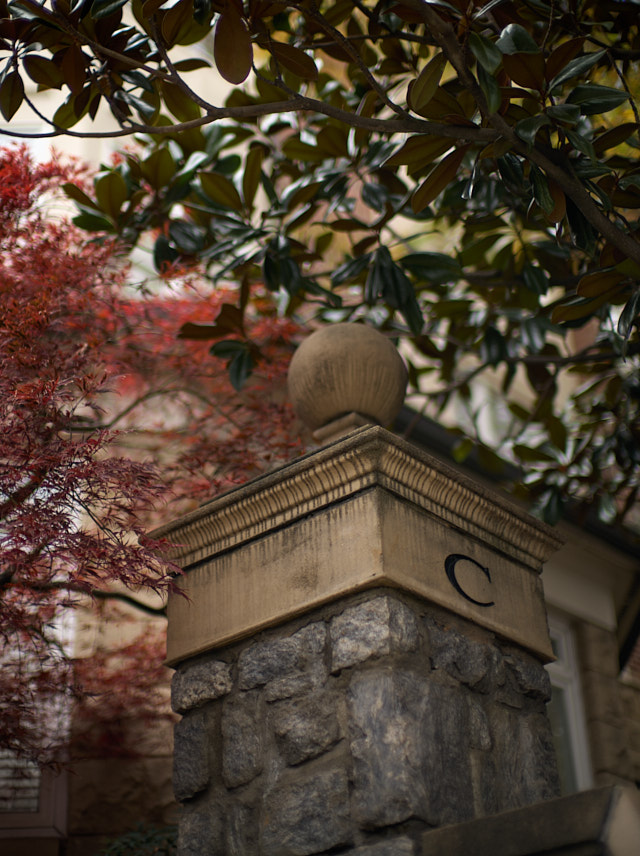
column 464, row 175
column 144, row 841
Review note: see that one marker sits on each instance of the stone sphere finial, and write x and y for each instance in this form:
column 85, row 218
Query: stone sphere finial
column 344, row 376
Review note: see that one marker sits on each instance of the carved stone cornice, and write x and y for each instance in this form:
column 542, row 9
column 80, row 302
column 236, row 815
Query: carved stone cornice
column 369, row 457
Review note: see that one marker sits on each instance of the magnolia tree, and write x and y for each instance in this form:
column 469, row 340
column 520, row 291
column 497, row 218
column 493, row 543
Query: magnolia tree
column 463, row 174
column 81, row 360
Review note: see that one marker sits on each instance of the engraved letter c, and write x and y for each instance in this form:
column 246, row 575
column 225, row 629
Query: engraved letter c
column 450, row 567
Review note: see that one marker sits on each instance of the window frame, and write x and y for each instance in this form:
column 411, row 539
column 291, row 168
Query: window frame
column 564, row 675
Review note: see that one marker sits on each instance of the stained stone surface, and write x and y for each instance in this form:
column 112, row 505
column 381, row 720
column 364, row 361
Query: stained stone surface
column 371, row 629
column 355, row 730
column 199, row 682
column 243, row 751
column 306, row 727
column 308, row 816
column 191, row 773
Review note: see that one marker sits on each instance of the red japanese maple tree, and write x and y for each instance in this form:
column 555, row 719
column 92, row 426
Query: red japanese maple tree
column 105, row 415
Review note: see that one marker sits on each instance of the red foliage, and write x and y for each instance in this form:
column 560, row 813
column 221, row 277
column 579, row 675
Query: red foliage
column 82, row 359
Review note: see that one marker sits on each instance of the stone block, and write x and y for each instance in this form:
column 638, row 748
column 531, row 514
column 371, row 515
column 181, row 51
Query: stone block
column 242, row 739
column 479, row 731
column 602, row 698
column 521, row 768
column 200, row 831
column 402, row 846
column 597, row 649
column 409, row 748
column 307, row 817
column 370, row 629
column 609, row 750
column 305, row 727
column 197, row 683
column 273, row 659
column 241, row 829
column 531, row 678
column 475, row 664
column 191, row 773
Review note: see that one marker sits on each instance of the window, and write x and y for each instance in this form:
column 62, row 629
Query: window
column 566, row 711
column 33, row 803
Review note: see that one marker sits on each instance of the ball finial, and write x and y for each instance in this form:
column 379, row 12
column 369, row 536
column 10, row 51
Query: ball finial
column 346, row 375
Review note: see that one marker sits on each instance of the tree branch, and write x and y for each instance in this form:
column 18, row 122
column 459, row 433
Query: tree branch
column 564, row 178
column 100, row 594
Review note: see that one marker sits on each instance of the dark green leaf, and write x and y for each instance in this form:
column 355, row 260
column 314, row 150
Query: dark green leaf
column 434, row 267
column 104, row 8
column 581, row 230
column 187, row 237
column 491, row 89
column 493, row 347
column 240, row 369
column 629, row 316
column 11, row 95
column 93, row 222
column 576, row 68
column 485, row 51
column 515, row 39
column 527, row 129
column 566, row 113
column 593, row 98
column 541, row 192
column 164, row 255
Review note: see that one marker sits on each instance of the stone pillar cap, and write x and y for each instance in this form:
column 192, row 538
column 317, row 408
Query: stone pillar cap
column 344, row 376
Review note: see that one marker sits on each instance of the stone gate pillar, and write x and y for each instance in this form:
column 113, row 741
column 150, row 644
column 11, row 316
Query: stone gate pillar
column 359, row 656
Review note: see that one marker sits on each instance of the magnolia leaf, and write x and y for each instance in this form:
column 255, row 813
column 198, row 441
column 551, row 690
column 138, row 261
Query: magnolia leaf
column 559, row 210
column 190, row 64
column 598, row 282
column 179, row 103
column 491, row 89
column 11, row 95
column 294, row 60
column 576, row 67
column 232, row 48
column 72, row 191
column 629, row 316
column 485, row 51
column 525, row 69
column 527, row 129
column 177, row 21
column 420, row 150
column 42, row 71
column 515, row 39
column 187, row 237
column 73, row 68
column 221, row 190
column 104, row 8
column 93, row 222
column 593, row 98
column 614, row 137
column 437, row 180
column 569, row 114
column 295, row 149
column 578, row 308
column 561, row 56
column 424, row 87
column 581, row 144
column 251, row 174
column 159, row 168
column 333, row 141
column 111, row 192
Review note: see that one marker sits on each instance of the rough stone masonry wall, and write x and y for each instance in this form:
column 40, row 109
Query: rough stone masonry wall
column 355, row 728
column 612, row 708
